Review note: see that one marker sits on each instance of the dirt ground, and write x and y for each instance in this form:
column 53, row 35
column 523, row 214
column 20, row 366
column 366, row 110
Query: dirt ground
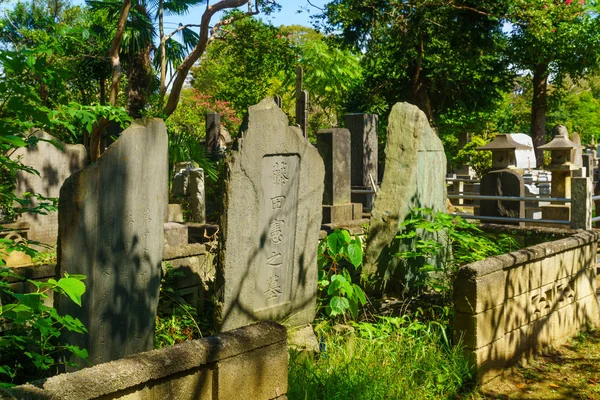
column 569, row 372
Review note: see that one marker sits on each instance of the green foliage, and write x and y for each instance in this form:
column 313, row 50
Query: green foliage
column 480, row 161
column 438, row 56
column 245, row 64
column 339, row 258
column 434, row 245
column 30, row 344
column 187, row 129
column 175, row 318
column 395, row 358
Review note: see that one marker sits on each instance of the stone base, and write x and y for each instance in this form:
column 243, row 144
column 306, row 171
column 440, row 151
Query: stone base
column 175, row 234
column 557, row 212
column 363, row 198
column 357, row 211
column 175, row 213
column 338, row 213
column 303, row 338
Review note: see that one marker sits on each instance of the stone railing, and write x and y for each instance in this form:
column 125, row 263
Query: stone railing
column 511, row 306
column 246, row 363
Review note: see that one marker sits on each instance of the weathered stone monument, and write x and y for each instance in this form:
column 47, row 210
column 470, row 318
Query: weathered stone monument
column 562, row 166
column 577, row 157
column 364, row 156
column 415, row 171
column 334, row 148
column 111, row 218
column 270, row 226
column 189, row 183
column 197, row 196
column 301, row 103
column 506, row 177
column 524, row 157
column 55, row 164
column 213, row 130
column 504, row 182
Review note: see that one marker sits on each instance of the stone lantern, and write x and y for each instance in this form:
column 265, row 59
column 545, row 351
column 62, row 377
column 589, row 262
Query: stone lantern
column 562, row 153
column 503, row 149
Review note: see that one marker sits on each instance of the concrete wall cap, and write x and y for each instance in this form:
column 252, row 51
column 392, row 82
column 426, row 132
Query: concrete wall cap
column 131, row 371
column 504, row 261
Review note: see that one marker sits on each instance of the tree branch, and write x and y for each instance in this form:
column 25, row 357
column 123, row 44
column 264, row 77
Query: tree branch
column 115, row 62
column 198, row 50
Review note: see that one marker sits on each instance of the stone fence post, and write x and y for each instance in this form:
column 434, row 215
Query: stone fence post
column 581, row 202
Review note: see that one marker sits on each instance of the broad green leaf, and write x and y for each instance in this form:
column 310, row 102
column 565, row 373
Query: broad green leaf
column 81, row 353
column 73, row 287
column 355, row 254
column 339, row 305
column 13, row 140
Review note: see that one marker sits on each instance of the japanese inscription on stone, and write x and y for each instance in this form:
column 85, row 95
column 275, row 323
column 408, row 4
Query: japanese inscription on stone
column 277, row 231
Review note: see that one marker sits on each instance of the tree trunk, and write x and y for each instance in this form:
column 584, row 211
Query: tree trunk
column 163, row 52
column 418, row 95
column 538, row 110
column 198, row 50
column 139, row 75
column 115, row 62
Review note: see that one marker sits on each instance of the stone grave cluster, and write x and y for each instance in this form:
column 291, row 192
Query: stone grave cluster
column 115, row 225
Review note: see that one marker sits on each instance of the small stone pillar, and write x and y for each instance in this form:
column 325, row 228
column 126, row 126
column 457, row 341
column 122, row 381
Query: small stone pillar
column 364, row 156
column 213, row 130
column 581, row 203
column 334, row 148
column 197, row 196
column 561, row 165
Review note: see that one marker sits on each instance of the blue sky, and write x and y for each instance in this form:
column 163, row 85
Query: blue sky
column 293, row 12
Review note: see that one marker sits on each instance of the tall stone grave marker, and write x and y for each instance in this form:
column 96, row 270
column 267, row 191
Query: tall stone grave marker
column 415, row 172
column 364, row 156
column 577, row 160
column 270, row 227
column 111, row 230
column 213, row 130
column 504, row 182
column 334, row 148
column 54, row 165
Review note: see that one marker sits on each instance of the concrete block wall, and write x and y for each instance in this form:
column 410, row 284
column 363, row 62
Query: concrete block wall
column 246, row 363
column 511, row 306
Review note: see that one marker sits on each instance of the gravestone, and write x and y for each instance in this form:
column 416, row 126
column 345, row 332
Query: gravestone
column 414, row 176
column 54, row 165
column 334, row 148
column 270, row 227
column 196, row 193
column 464, row 171
column 577, row 160
column 213, row 131
column 364, row 156
column 524, row 159
column 504, row 182
column 111, row 230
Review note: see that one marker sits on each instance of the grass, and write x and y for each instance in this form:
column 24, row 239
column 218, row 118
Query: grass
column 395, row 358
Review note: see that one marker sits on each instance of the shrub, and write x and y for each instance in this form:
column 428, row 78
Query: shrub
column 30, row 344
